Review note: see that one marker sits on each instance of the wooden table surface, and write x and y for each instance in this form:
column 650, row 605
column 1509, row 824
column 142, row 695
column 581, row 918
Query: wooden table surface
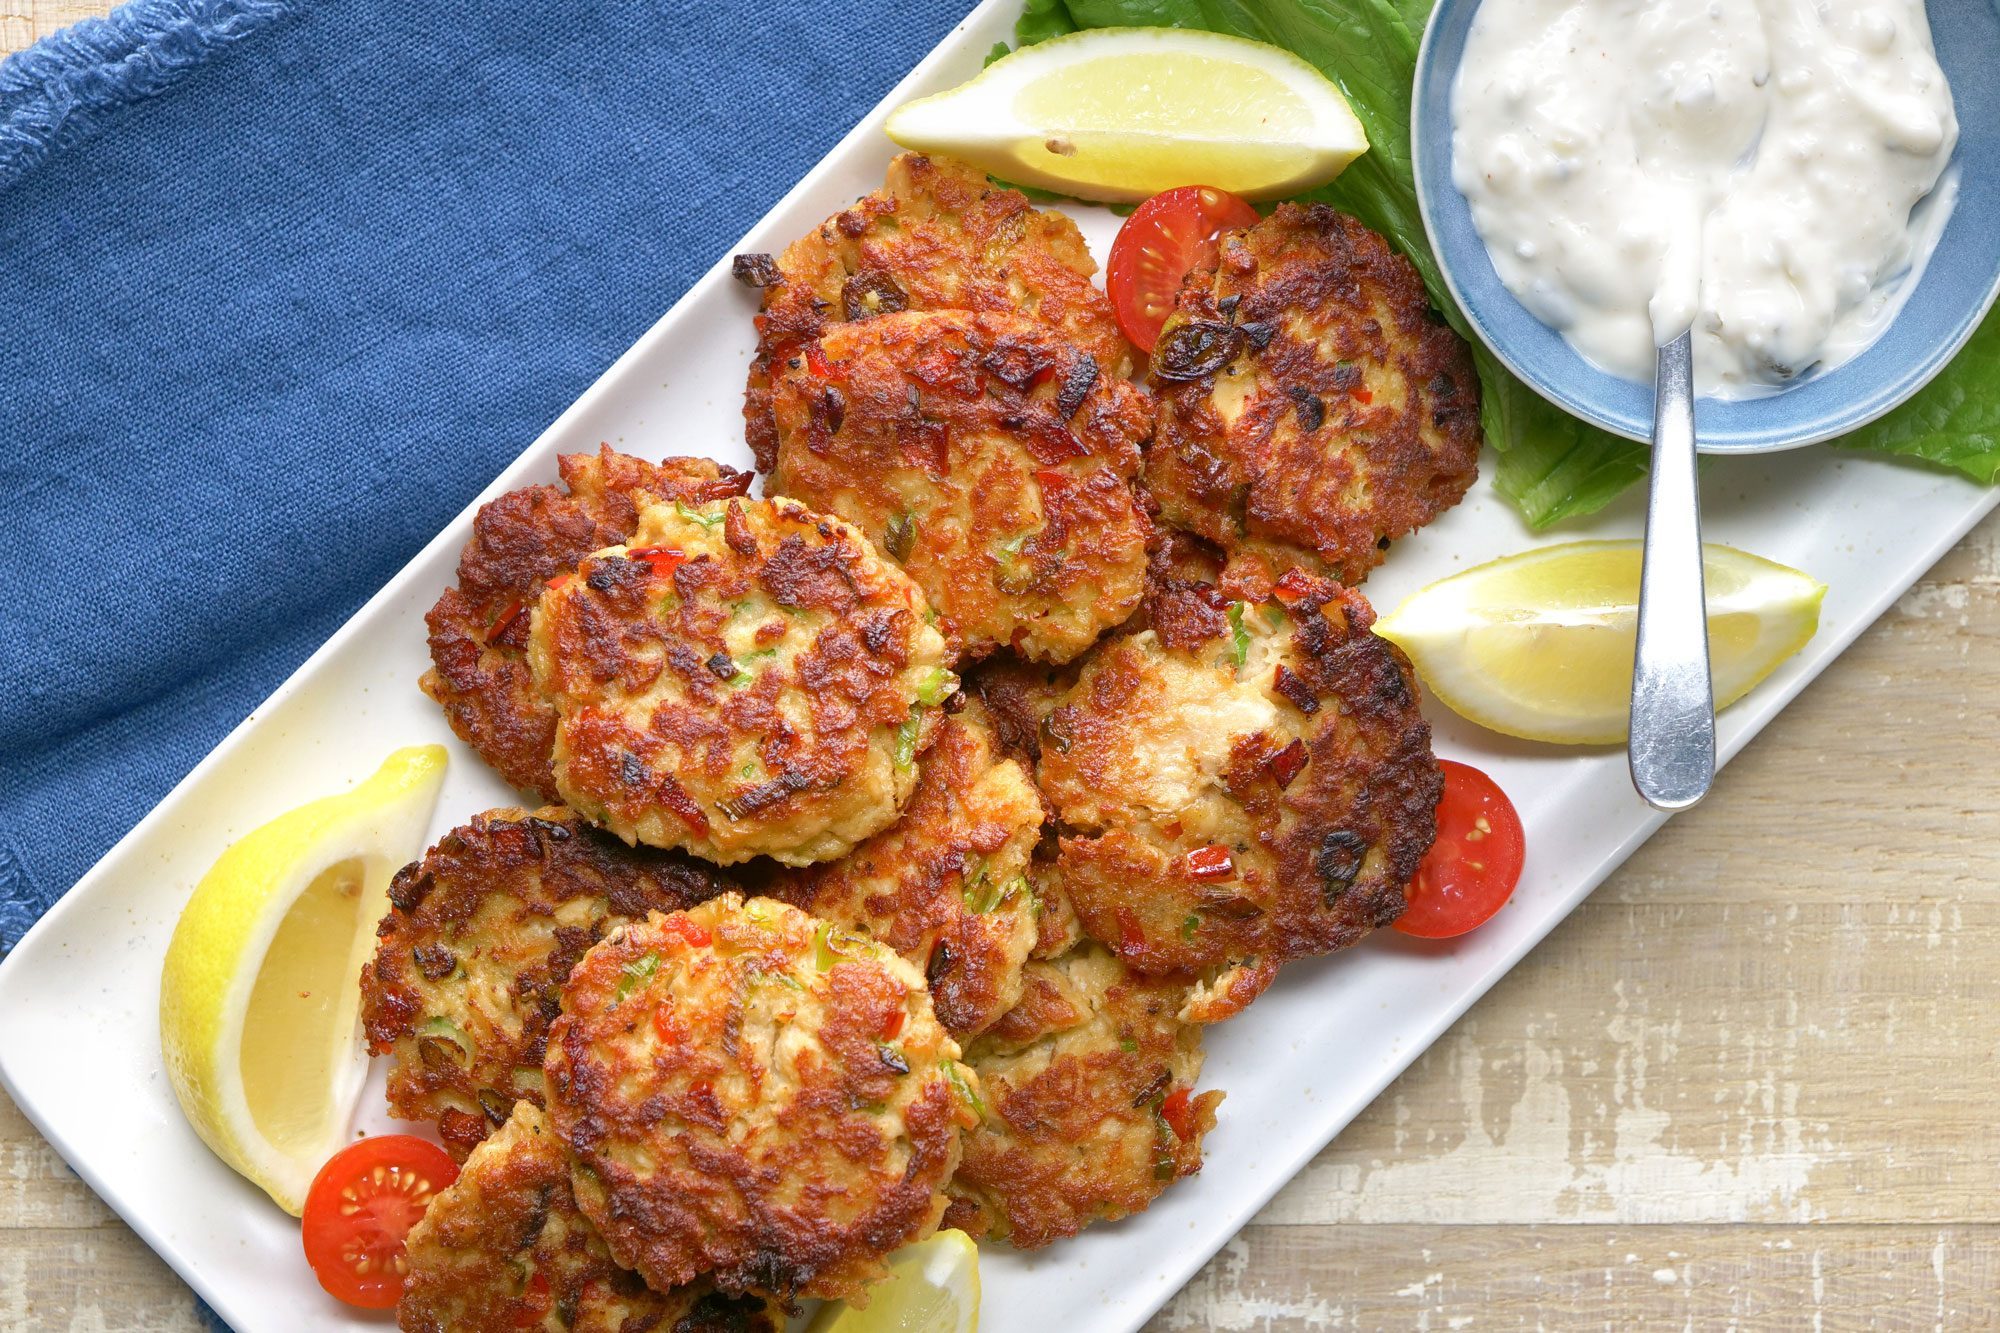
column 1752, row 1082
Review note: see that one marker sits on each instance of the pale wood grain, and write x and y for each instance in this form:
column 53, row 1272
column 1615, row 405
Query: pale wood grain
column 1610, row 1278
column 25, row 22
column 89, row 1280
column 1749, row 1084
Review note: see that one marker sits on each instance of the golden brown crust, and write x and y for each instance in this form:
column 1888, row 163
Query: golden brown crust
column 1057, row 929
column 1089, row 1103
column 937, row 236
column 992, row 461
column 947, row 886
column 744, row 678
column 1240, row 784
column 1012, row 697
column 479, row 629
column 1312, row 409
column 471, row 958
column 505, row 1247
column 757, row 1095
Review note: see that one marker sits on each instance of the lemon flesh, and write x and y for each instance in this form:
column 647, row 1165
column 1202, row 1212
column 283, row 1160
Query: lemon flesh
column 1123, row 113
column 932, row 1287
column 1539, row 645
column 259, row 997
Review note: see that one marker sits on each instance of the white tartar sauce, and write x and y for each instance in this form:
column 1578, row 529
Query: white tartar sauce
column 1744, row 168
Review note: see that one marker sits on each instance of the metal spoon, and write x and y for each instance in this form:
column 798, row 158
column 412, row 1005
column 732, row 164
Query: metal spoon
column 1672, row 743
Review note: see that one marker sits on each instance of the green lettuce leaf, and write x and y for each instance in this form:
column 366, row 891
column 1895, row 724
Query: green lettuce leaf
column 1552, row 466
column 1954, row 421
column 1041, row 20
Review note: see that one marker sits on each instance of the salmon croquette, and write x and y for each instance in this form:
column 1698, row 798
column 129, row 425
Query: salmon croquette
column 480, row 936
column 740, row 678
column 750, row 1093
column 1089, row 1103
column 992, row 461
column 505, row 1247
column 947, row 886
column 479, row 629
column 1240, row 783
column 937, row 236
column 1312, row 408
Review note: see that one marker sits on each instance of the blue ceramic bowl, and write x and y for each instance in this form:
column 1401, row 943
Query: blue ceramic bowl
column 1951, row 297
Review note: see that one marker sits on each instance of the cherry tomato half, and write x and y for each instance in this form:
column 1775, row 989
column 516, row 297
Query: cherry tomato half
column 1155, row 249
column 1472, row 868
column 360, row 1208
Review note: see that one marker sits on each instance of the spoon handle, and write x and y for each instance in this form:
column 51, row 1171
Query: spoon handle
column 1672, row 746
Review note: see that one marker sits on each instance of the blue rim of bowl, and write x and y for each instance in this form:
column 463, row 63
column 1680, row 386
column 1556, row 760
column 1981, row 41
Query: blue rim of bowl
column 1888, row 373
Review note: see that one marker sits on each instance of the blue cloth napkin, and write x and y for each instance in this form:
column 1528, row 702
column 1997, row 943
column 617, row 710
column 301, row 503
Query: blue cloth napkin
column 283, row 285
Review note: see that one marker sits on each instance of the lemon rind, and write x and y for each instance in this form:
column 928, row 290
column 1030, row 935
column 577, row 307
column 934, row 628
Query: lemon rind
column 1430, row 622
column 226, row 929
column 978, row 121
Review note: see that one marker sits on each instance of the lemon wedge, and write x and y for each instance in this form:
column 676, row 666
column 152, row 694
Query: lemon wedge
column 1539, row 645
column 1123, row 113
column 259, row 999
column 932, row 1287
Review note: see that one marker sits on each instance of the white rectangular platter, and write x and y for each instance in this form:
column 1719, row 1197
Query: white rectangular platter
column 79, row 1044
